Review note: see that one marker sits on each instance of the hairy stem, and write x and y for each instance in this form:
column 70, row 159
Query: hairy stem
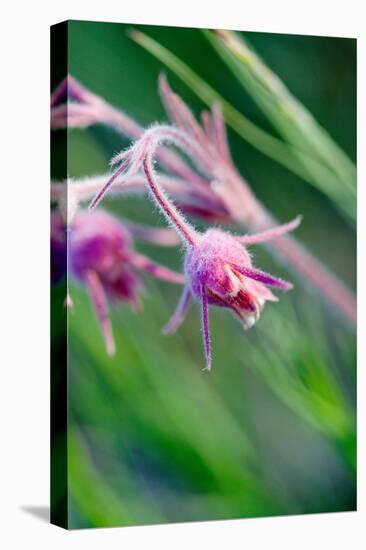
column 105, row 113
column 171, row 213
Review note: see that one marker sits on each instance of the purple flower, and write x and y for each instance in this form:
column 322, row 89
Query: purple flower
column 219, row 263
column 218, row 267
column 219, row 272
column 101, row 256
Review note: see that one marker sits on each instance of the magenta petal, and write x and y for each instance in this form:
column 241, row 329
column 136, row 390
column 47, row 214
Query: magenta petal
column 180, row 313
column 262, row 277
column 143, row 263
column 100, row 303
column 270, row 234
column 98, row 197
column 206, row 327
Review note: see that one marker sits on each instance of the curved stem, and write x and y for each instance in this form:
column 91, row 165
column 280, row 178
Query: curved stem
column 180, row 313
column 98, row 197
column 173, row 216
column 206, row 327
column 99, row 300
column 270, row 234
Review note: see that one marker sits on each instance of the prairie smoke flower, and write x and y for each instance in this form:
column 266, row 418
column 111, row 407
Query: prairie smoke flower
column 217, row 265
column 216, row 194
column 101, row 256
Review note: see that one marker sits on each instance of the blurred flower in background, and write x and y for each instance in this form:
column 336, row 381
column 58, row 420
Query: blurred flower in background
column 101, row 256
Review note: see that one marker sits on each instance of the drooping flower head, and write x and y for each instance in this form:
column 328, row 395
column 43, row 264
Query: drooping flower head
column 101, row 244
column 101, row 256
column 218, row 267
column 222, row 265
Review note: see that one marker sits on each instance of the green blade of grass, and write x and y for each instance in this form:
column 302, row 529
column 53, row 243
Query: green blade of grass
column 293, row 121
column 303, row 376
column 96, row 501
column 303, row 165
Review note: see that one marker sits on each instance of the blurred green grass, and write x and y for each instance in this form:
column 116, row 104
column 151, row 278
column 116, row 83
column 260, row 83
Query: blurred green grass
column 272, row 429
column 174, row 444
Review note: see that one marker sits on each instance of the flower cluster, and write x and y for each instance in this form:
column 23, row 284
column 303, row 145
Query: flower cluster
column 218, row 269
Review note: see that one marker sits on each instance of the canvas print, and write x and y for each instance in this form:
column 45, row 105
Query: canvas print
column 203, row 266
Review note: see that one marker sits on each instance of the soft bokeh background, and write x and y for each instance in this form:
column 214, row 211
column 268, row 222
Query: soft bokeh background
column 272, row 429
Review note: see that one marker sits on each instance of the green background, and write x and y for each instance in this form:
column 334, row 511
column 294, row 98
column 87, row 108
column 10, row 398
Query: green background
column 272, row 429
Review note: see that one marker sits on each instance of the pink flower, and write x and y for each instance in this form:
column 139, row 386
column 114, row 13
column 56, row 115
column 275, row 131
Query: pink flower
column 101, row 256
column 221, row 264
column 218, row 267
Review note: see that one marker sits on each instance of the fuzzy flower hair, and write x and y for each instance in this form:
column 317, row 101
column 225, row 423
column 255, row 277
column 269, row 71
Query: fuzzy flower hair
column 99, row 250
column 218, row 267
